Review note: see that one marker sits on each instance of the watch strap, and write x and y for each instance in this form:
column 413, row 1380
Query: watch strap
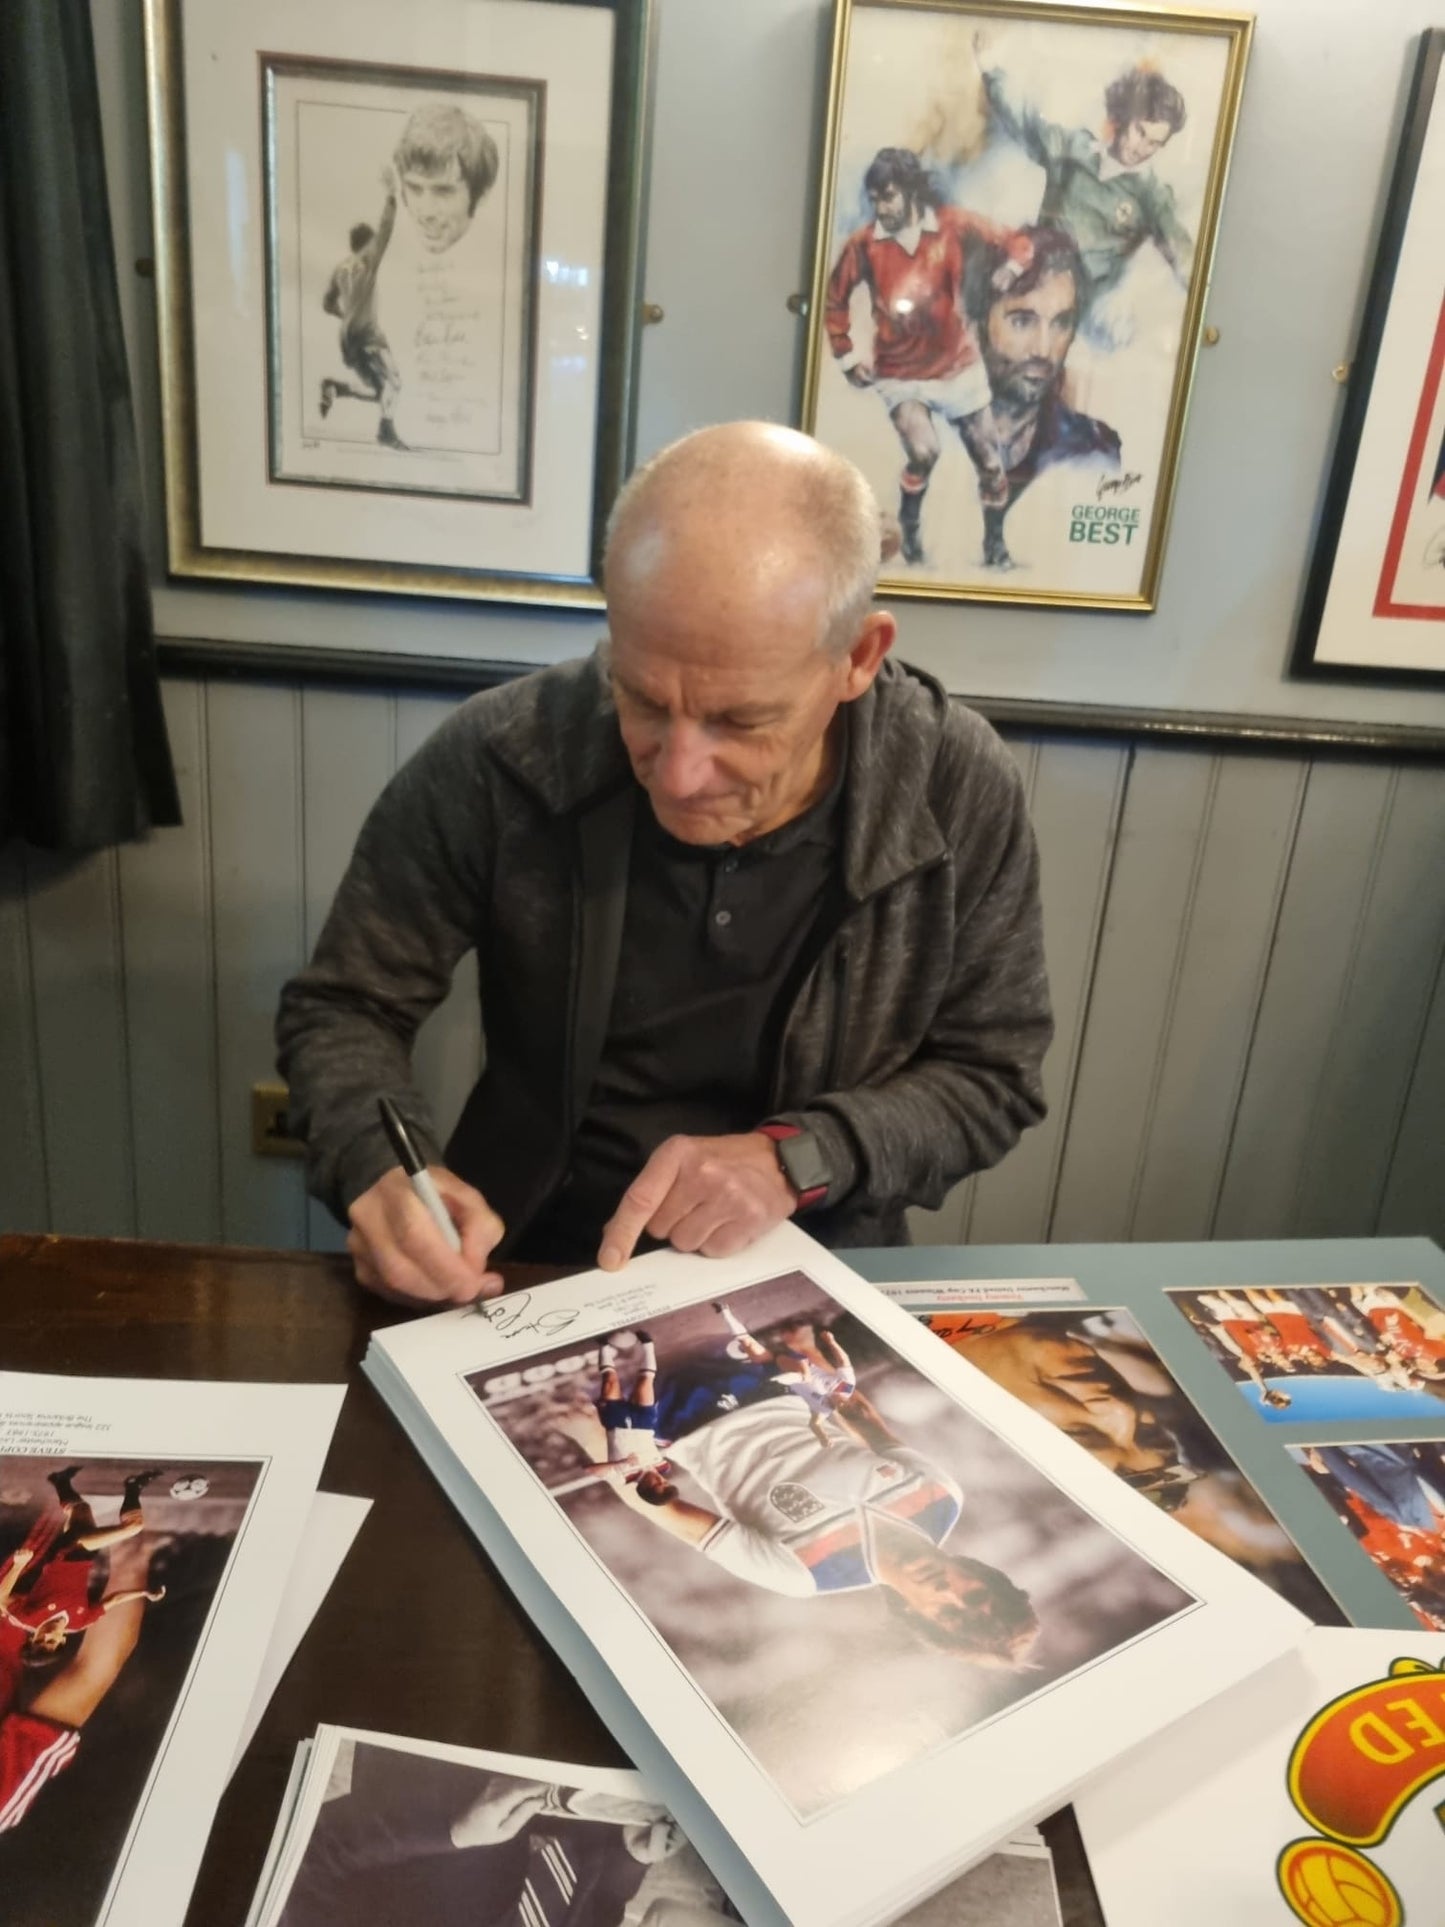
column 801, row 1162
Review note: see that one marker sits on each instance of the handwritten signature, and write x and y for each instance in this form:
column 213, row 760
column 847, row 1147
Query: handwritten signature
column 1119, row 484
column 1435, row 550
column 507, row 1316
column 444, row 331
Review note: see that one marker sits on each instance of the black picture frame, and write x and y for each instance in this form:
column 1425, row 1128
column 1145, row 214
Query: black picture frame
column 1304, row 662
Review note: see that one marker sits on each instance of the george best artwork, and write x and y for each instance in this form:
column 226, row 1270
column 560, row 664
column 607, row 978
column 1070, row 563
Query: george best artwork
column 1009, row 282
column 401, row 211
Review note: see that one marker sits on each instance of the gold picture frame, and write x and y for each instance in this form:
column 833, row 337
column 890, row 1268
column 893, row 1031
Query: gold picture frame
column 1003, row 326
column 201, row 125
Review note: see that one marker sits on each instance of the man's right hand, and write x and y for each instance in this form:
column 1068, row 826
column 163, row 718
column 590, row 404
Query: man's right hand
column 860, row 375
column 400, row 1254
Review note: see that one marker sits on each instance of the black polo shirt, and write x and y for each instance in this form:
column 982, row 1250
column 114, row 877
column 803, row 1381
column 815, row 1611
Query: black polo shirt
column 716, row 940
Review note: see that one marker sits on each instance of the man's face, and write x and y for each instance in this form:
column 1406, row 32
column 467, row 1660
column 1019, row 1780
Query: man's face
column 948, row 1595
column 725, row 710
column 1138, row 141
column 440, row 204
column 893, row 209
column 1027, row 338
column 1066, row 1382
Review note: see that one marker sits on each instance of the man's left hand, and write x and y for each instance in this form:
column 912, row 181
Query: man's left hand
column 714, row 1195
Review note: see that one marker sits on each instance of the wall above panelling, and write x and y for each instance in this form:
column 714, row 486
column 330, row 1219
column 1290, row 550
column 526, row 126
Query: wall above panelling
column 738, row 128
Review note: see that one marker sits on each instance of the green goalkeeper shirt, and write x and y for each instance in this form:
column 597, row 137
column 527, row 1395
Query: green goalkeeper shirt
column 1110, row 211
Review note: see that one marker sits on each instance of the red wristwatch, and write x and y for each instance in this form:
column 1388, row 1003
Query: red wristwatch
column 801, row 1158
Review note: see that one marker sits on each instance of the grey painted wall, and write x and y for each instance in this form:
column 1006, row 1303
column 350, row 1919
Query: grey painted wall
column 1246, row 952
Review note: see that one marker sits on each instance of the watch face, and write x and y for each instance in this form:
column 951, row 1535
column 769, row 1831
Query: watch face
column 802, row 1159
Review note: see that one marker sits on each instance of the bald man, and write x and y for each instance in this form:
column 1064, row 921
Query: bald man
column 755, row 911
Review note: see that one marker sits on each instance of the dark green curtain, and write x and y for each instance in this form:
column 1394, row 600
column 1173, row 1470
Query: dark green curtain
column 83, row 754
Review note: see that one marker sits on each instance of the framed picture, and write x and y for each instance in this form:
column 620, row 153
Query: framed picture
column 398, row 255
column 1019, row 210
column 1374, row 604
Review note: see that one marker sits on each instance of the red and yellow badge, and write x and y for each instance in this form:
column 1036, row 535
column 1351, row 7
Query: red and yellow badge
column 1352, row 1772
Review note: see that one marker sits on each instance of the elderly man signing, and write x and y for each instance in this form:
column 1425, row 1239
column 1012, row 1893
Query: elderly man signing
column 755, row 911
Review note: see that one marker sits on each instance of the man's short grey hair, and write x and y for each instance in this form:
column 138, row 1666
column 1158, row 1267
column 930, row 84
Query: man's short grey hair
column 827, row 502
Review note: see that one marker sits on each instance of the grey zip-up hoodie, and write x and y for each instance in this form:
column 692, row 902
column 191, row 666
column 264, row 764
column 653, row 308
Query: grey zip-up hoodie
column 912, row 1050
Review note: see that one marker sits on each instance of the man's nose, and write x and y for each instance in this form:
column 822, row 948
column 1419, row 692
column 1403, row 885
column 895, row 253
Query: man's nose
column 683, row 760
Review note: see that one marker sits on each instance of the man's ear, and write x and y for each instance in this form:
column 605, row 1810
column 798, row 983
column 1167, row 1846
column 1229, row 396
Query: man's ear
column 865, row 658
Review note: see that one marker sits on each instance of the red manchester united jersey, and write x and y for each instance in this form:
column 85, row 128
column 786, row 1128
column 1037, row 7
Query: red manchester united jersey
column 920, row 330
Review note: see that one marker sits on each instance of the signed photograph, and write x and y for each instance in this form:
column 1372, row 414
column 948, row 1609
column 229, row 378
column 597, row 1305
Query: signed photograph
column 1095, row 1375
column 401, row 224
column 1014, row 242
column 853, row 1570
column 1391, row 1497
column 109, row 1573
column 1325, row 1352
column 1374, row 605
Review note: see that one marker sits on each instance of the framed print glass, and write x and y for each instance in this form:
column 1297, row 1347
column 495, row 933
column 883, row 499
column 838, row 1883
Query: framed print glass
column 1019, row 210
column 398, row 256
column 449, row 409
column 1374, row 606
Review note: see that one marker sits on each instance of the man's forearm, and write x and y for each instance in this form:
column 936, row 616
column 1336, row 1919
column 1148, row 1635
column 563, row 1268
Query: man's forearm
column 1175, row 242
column 836, row 318
column 1018, row 122
column 913, row 1137
column 405, row 913
column 384, row 227
column 337, row 1059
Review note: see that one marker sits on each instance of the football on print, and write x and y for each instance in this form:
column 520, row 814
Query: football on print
column 1332, row 1886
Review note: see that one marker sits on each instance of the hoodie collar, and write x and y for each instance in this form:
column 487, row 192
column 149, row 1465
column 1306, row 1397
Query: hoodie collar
column 564, row 746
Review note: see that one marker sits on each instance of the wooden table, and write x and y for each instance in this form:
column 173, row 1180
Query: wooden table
column 418, row 1635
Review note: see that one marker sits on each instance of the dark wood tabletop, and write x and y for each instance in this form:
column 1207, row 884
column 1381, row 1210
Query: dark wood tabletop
column 418, row 1635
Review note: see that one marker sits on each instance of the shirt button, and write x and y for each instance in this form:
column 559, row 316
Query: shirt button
column 729, row 864
column 723, row 919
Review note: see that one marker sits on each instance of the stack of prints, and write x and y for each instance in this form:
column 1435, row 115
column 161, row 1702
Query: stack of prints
column 147, row 1533
column 816, row 1573
column 377, row 1830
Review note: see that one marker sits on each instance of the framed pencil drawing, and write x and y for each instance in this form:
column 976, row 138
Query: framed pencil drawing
column 1019, row 210
column 398, row 259
column 448, row 264
column 1374, row 604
